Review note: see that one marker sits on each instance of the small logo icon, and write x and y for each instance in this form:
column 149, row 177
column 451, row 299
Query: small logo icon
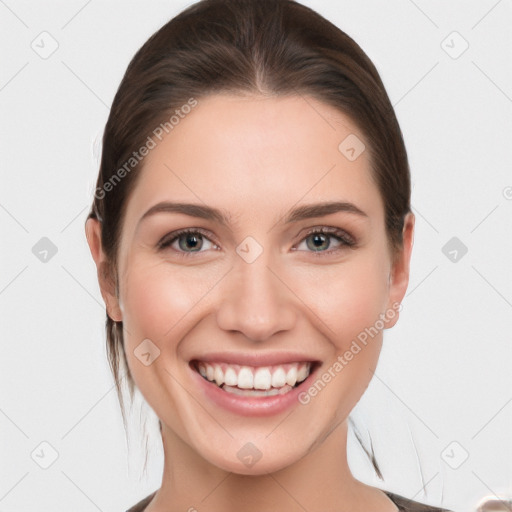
column 44, row 250
column 45, row 45
column 249, row 250
column 454, row 455
column 351, row 147
column 454, row 250
column 146, row 352
column 507, row 193
column 249, row 454
column 44, row 455
column 454, row 45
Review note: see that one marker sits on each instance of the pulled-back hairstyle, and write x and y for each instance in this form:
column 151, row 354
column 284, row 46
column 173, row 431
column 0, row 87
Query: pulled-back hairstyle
column 262, row 47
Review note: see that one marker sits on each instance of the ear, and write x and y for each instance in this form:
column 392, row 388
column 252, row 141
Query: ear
column 399, row 274
column 105, row 279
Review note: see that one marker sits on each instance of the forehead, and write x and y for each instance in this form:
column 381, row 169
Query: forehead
column 249, row 155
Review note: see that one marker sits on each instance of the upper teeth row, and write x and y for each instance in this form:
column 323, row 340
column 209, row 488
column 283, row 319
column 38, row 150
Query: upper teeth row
column 247, row 377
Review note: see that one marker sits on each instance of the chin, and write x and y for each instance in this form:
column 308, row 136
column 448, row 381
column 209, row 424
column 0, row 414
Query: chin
column 260, row 456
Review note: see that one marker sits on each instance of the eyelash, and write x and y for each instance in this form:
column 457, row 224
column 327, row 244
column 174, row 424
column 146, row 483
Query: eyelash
column 346, row 240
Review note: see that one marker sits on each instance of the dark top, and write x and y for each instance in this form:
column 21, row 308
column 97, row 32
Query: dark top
column 403, row 504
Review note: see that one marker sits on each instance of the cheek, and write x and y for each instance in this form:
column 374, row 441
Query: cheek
column 348, row 298
column 349, row 301
column 159, row 301
column 157, row 297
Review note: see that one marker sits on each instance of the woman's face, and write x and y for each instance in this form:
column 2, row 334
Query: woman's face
column 256, row 294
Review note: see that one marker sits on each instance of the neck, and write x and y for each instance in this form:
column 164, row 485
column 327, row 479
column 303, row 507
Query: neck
column 319, row 481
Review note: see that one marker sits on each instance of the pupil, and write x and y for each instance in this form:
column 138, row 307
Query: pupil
column 322, row 239
column 191, row 239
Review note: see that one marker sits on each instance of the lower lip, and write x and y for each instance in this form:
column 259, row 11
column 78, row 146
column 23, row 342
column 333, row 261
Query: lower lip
column 247, row 405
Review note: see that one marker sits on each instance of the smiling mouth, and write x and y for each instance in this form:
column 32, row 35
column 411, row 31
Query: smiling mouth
column 254, row 381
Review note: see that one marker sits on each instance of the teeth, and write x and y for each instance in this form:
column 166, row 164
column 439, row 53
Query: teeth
column 245, row 378
column 302, row 373
column 233, row 378
column 257, row 392
column 218, row 376
column 262, row 379
column 230, row 377
column 279, row 378
column 291, row 376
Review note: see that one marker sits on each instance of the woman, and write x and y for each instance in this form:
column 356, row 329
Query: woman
column 251, row 223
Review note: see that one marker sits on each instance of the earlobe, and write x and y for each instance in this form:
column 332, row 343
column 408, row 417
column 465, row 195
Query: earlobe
column 399, row 273
column 105, row 279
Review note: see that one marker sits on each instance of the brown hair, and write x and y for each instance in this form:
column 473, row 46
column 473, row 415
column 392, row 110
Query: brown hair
column 270, row 47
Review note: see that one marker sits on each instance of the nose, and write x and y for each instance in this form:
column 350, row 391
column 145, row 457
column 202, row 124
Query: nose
column 256, row 300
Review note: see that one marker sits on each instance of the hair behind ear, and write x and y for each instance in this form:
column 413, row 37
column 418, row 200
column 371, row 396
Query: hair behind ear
column 369, row 452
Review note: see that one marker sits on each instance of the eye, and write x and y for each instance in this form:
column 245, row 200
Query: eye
column 187, row 241
column 319, row 240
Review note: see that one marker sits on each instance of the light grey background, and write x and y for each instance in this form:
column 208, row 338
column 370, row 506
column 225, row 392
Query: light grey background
column 442, row 391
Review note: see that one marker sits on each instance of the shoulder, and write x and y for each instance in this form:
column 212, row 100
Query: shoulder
column 141, row 505
column 407, row 505
column 403, row 504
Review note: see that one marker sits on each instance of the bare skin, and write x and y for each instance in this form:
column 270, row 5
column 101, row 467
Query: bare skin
column 255, row 158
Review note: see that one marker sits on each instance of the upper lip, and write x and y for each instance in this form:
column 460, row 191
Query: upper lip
column 245, row 359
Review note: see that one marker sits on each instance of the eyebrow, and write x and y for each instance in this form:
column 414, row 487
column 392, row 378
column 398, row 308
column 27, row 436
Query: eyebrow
column 297, row 214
